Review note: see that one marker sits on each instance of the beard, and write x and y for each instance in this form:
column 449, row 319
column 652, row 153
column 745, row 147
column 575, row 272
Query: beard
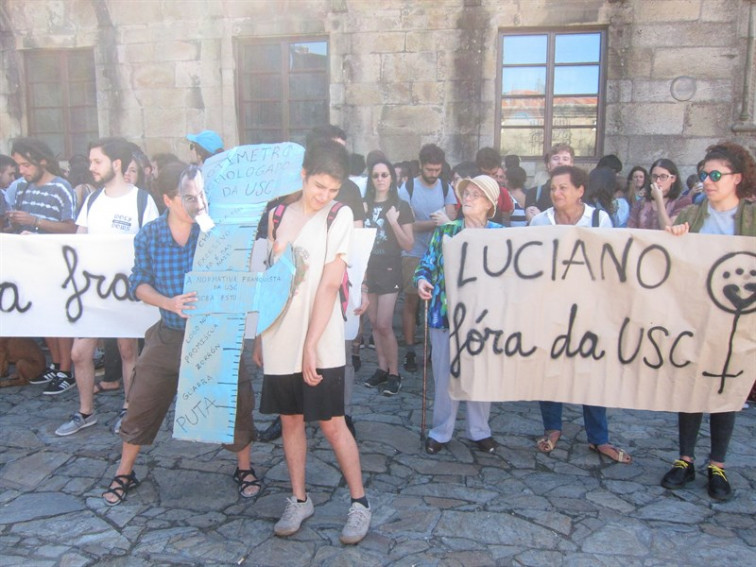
column 107, row 177
column 429, row 180
column 36, row 176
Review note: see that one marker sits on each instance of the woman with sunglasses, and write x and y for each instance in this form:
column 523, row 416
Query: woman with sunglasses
column 392, row 218
column 729, row 179
column 663, row 200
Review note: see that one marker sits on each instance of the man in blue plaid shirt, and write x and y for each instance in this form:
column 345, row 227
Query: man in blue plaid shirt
column 164, row 252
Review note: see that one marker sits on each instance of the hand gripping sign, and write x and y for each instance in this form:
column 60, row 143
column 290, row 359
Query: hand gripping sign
column 238, row 184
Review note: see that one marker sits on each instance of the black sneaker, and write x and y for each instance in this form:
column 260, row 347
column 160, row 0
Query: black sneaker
column 393, row 385
column 371, row 344
column 62, row 382
column 719, row 486
column 681, row 473
column 378, row 378
column 410, row 365
column 45, row 377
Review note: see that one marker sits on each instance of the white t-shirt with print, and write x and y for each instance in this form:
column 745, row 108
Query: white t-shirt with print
column 115, row 215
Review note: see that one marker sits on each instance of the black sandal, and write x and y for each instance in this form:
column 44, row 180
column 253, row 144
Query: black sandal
column 240, row 475
column 124, row 483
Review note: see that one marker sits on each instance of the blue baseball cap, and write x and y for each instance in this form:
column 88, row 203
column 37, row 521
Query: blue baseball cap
column 208, row 139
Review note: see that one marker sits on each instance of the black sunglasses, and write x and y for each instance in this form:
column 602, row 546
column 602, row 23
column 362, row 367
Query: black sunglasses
column 714, row 175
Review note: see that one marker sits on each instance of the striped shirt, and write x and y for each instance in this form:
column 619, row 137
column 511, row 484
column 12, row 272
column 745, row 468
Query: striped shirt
column 160, row 262
column 54, row 201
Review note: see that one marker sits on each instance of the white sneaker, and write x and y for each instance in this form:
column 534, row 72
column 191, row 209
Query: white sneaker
column 293, row 516
column 357, row 524
column 76, row 423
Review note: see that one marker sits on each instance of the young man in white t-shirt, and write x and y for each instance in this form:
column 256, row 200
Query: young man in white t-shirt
column 117, row 208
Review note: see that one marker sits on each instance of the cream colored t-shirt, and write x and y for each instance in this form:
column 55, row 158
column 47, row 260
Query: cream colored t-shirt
column 315, row 246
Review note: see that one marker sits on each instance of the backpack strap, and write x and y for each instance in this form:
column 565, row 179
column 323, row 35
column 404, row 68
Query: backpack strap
column 91, row 200
column 277, row 216
column 142, row 196
column 332, row 213
column 345, row 283
column 595, row 221
column 409, row 186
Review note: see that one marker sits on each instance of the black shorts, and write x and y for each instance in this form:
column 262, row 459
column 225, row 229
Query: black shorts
column 289, row 395
column 384, row 274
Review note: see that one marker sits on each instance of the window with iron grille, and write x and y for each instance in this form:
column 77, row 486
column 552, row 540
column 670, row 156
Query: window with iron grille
column 61, row 99
column 551, row 91
column 282, row 89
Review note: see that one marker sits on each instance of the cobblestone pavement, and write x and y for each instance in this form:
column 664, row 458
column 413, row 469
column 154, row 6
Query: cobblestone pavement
column 460, row 507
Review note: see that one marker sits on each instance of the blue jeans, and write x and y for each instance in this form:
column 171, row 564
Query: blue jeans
column 596, row 424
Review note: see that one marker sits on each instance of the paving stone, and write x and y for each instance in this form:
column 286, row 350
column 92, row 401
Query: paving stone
column 29, row 471
column 33, row 506
column 609, row 500
column 628, row 539
column 673, row 511
column 460, row 507
column 452, row 491
column 489, row 528
column 560, row 523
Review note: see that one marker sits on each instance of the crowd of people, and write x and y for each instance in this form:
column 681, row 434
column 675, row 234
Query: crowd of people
column 308, row 365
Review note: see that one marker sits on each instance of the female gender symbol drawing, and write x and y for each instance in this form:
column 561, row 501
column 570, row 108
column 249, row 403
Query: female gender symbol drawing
column 732, row 287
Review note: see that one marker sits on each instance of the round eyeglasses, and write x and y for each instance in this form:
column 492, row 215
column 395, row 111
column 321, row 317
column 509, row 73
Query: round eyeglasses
column 715, row 175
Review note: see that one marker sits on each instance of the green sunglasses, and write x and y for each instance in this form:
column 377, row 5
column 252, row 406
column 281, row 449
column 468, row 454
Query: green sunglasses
column 714, row 175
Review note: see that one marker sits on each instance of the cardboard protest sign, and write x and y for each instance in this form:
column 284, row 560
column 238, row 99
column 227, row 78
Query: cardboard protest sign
column 359, row 255
column 69, row 285
column 609, row 317
column 238, row 184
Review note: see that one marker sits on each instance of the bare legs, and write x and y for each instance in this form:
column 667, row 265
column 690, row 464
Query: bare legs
column 342, row 442
column 381, row 314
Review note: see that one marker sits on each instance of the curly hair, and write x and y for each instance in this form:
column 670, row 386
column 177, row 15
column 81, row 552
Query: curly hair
column 740, row 161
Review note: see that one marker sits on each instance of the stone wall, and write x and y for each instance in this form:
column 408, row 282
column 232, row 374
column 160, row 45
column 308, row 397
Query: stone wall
column 402, row 72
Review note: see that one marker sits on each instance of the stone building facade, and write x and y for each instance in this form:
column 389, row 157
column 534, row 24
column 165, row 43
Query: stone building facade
column 674, row 75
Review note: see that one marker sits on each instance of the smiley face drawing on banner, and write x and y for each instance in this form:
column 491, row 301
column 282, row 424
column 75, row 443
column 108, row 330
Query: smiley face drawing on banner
column 732, row 288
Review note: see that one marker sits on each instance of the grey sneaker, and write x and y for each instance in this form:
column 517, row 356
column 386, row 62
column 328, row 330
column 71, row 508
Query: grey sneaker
column 62, row 382
column 378, row 378
column 293, row 516
column 393, row 385
column 357, row 524
column 77, row 422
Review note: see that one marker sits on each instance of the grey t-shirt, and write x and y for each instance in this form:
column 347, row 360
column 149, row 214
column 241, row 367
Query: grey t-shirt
column 718, row 222
column 425, row 201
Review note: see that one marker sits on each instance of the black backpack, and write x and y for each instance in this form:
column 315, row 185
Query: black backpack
column 142, row 197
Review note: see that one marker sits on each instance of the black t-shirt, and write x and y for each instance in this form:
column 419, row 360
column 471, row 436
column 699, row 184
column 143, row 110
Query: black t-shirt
column 385, row 240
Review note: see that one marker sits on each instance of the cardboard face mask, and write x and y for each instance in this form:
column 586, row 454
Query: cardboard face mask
column 194, row 199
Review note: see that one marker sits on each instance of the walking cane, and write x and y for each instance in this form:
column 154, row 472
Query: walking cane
column 425, row 372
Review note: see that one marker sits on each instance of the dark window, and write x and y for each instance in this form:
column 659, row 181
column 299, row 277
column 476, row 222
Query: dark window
column 62, row 99
column 551, row 87
column 282, row 89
